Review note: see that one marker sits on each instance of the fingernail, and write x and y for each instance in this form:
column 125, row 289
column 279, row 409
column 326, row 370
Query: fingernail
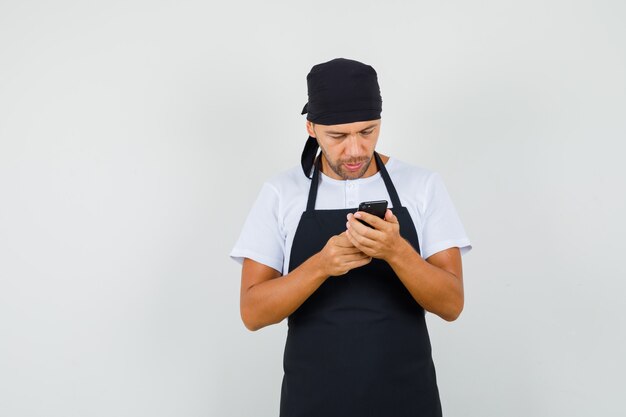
column 357, row 215
column 347, row 225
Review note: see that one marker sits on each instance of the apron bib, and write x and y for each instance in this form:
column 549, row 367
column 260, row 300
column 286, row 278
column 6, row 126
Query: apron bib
column 358, row 346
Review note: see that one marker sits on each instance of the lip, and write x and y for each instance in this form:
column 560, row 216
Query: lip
column 353, row 167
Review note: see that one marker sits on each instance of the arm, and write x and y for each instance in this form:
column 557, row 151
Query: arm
column 436, row 283
column 267, row 297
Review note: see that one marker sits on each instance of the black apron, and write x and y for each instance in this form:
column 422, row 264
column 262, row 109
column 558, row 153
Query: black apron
column 358, row 346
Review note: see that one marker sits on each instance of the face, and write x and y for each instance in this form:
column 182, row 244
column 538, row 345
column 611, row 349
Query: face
column 347, row 149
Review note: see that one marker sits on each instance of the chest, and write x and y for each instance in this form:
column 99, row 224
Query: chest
column 341, row 196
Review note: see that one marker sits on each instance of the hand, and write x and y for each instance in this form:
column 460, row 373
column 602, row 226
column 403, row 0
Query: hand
column 339, row 256
column 378, row 242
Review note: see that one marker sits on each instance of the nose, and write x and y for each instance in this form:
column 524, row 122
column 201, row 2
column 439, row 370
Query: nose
column 352, row 147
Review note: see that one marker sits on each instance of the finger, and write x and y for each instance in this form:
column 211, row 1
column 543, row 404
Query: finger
column 374, row 221
column 348, row 251
column 353, row 257
column 360, row 241
column 359, row 228
column 390, row 217
column 360, row 262
column 343, row 241
column 351, row 239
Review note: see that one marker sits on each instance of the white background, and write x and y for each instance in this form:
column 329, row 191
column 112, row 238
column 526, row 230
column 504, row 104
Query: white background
column 135, row 135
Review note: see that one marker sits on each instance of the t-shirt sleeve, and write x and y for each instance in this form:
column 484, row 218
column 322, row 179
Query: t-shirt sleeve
column 261, row 238
column 442, row 226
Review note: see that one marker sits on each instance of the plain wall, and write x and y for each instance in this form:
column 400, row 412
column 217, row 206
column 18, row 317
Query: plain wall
column 135, row 135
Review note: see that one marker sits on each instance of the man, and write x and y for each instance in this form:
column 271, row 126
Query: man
column 355, row 295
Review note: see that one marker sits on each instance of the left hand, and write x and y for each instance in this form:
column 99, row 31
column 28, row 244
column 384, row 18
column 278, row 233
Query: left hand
column 379, row 242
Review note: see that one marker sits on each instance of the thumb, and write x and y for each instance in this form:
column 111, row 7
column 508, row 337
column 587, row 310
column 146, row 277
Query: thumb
column 390, row 217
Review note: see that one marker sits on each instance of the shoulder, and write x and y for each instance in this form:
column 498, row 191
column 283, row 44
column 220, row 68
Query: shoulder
column 288, row 182
column 410, row 175
column 418, row 186
column 286, row 190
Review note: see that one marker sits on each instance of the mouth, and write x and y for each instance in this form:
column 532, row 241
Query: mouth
column 353, row 167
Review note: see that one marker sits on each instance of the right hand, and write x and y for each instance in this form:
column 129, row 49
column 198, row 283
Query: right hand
column 339, row 256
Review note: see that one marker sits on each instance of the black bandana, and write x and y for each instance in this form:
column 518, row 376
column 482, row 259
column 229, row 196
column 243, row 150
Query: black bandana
column 340, row 91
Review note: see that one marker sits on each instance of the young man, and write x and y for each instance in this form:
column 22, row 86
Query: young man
column 355, row 295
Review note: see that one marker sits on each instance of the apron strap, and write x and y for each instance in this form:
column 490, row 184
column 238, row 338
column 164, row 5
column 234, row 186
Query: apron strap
column 315, row 179
column 391, row 189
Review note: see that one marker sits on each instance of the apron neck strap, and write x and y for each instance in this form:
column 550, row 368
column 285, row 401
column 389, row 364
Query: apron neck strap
column 391, row 189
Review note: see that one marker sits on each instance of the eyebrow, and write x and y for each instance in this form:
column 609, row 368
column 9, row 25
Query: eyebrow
column 332, row 132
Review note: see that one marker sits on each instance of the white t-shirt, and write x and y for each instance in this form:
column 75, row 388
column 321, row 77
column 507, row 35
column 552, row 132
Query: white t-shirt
column 271, row 225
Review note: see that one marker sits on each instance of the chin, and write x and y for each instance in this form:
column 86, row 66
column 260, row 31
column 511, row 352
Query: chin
column 354, row 175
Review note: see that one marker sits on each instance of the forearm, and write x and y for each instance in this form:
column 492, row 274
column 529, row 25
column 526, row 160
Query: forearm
column 271, row 301
column 435, row 289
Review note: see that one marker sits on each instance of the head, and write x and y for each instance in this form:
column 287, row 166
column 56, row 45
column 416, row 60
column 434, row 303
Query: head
column 343, row 118
column 347, row 149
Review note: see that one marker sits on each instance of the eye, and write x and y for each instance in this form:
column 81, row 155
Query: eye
column 367, row 133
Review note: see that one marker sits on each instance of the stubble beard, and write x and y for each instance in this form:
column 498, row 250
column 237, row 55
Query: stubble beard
column 338, row 169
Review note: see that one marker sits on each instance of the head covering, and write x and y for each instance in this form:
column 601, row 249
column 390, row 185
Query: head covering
column 340, row 91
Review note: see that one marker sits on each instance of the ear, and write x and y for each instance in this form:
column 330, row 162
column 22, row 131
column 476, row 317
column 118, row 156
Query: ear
column 309, row 129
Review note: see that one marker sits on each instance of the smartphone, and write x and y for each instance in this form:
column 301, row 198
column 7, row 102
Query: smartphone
column 377, row 208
